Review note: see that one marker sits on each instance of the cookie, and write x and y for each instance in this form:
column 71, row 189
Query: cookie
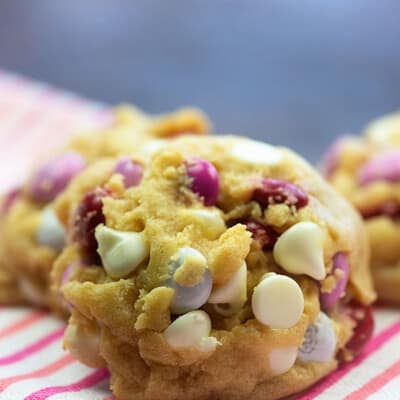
column 232, row 270
column 33, row 235
column 366, row 170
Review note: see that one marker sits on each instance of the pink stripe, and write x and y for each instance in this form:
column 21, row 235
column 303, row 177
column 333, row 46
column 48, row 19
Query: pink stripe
column 33, row 348
column 373, row 345
column 88, row 381
column 22, row 323
column 32, row 115
column 42, row 372
column 376, row 383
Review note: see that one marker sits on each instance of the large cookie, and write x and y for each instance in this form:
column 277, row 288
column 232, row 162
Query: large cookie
column 366, row 169
column 32, row 235
column 230, row 271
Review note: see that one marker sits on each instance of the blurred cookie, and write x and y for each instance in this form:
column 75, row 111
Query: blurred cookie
column 366, row 170
column 33, row 235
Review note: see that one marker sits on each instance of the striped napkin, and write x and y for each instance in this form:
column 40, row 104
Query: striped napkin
column 35, row 118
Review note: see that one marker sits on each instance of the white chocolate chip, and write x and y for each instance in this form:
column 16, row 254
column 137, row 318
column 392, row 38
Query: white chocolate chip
column 255, row 152
column 31, row 293
column 319, row 341
column 210, row 221
column 120, row 252
column 51, row 233
column 83, row 344
column 232, row 292
column 207, row 344
column 191, row 330
column 300, row 250
column 277, row 301
column 151, row 147
column 281, row 360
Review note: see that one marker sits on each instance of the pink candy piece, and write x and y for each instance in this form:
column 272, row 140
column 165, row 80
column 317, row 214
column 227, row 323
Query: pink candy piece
column 65, row 278
column 130, row 170
column 8, row 201
column 54, row 176
column 340, row 266
column 273, row 191
column 390, row 209
column 383, row 167
column 88, row 215
column 67, row 274
column 264, row 235
column 205, row 179
column 364, row 327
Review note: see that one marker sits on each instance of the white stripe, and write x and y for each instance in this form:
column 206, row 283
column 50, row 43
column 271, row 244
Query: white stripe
column 65, row 376
column 24, row 338
column 368, row 369
column 35, row 361
column 8, row 316
column 384, row 318
column 390, row 391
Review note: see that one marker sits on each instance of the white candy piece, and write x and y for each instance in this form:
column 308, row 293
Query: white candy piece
column 300, row 250
column 51, row 233
column 281, row 360
column 120, row 252
column 319, row 341
column 210, row 221
column 254, row 152
column 232, row 292
column 187, row 298
column 277, row 301
column 191, row 330
column 187, row 252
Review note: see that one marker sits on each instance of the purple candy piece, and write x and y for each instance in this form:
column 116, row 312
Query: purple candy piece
column 66, row 276
column 275, row 191
column 205, row 179
column 131, row 171
column 383, row 167
column 190, row 298
column 328, row 300
column 54, row 176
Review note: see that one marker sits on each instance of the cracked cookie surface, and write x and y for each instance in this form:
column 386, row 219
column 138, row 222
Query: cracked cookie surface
column 230, row 271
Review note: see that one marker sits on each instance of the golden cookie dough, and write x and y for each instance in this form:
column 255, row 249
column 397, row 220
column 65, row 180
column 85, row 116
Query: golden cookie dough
column 25, row 263
column 364, row 169
column 134, row 310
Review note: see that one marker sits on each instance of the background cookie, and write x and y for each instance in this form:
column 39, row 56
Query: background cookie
column 366, row 170
column 33, row 235
column 231, row 270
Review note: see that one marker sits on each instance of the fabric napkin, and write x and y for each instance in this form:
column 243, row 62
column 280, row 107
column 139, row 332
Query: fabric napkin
column 36, row 118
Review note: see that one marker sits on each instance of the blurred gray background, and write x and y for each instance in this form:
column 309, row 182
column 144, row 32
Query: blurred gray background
column 290, row 72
